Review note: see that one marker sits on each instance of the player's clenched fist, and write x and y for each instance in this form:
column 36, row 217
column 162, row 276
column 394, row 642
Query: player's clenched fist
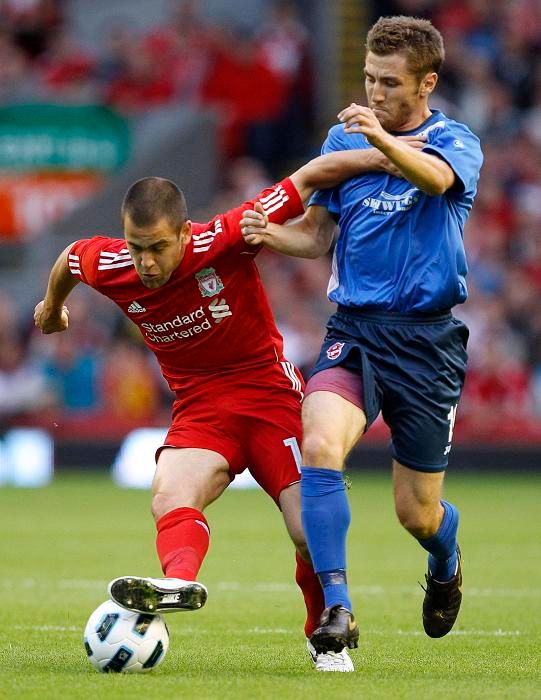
column 253, row 224
column 49, row 322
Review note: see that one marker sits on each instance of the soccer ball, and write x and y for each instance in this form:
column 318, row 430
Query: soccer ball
column 120, row 641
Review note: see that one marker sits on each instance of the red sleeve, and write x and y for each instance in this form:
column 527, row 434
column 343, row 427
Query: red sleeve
column 83, row 258
column 281, row 203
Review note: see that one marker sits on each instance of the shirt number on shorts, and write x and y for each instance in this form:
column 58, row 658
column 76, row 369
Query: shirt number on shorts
column 451, row 417
column 294, row 446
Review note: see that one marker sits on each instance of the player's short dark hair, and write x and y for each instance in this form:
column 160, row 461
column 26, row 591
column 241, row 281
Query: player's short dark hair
column 153, row 198
column 417, row 38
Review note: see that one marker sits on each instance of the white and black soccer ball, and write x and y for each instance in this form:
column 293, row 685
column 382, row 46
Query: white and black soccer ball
column 119, row 641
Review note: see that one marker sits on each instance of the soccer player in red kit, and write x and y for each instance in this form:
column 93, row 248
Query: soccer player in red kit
column 195, row 293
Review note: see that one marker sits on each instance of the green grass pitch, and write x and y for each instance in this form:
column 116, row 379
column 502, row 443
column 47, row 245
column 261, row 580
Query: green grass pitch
column 60, row 545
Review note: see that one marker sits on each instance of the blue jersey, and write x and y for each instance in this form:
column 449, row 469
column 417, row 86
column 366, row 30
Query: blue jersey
column 400, row 249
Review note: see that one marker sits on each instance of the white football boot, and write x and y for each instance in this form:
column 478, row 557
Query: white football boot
column 338, row 661
column 157, row 595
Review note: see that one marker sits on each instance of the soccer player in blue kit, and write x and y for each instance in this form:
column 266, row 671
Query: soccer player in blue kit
column 392, row 346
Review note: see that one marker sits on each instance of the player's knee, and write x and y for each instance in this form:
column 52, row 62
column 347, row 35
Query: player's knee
column 160, row 505
column 164, row 501
column 320, row 450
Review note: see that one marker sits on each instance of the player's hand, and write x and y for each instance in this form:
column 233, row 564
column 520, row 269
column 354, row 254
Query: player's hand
column 49, row 322
column 253, row 224
column 386, row 165
column 417, row 141
column 362, row 120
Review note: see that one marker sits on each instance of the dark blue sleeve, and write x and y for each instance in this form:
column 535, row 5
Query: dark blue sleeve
column 461, row 150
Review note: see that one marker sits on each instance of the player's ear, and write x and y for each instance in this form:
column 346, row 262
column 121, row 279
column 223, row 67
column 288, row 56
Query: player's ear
column 428, row 83
column 186, row 231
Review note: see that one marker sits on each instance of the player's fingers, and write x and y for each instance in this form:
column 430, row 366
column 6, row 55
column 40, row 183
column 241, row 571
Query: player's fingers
column 348, row 116
column 351, row 109
column 367, row 118
column 250, row 215
column 260, row 209
column 355, row 124
column 250, row 230
column 254, row 220
column 247, row 217
column 357, row 113
column 414, row 141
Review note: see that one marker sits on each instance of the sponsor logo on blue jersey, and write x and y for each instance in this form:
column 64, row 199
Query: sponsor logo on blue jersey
column 391, row 203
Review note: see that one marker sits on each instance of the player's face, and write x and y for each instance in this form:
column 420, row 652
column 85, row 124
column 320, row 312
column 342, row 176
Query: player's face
column 156, row 250
column 395, row 94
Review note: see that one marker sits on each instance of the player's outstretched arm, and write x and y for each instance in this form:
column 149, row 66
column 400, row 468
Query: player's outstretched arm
column 329, row 170
column 50, row 315
column 312, row 235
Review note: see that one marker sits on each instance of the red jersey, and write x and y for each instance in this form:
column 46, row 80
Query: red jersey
column 212, row 315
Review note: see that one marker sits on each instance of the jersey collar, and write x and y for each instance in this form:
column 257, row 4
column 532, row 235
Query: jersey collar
column 436, row 114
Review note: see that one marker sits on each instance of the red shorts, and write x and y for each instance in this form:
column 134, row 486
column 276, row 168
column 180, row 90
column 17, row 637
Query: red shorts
column 251, row 417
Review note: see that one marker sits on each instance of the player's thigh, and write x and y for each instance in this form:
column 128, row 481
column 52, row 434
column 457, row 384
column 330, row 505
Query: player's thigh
column 188, row 477
column 331, row 427
column 271, row 442
column 422, row 390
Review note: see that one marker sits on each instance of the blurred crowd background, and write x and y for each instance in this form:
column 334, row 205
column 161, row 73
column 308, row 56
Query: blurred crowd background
column 260, row 80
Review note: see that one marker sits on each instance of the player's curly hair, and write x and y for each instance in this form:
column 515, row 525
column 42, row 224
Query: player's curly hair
column 417, row 38
column 153, row 198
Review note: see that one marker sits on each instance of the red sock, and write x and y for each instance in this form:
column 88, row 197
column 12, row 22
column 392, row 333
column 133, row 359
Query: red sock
column 311, row 589
column 182, row 542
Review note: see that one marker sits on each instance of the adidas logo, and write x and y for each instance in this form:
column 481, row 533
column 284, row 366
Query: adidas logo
column 136, row 308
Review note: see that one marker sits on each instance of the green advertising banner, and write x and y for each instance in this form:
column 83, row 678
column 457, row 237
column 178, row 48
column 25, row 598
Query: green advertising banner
column 50, row 137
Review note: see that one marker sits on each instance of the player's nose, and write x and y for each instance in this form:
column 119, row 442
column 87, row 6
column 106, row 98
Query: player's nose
column 147, row 261
column 378, row 94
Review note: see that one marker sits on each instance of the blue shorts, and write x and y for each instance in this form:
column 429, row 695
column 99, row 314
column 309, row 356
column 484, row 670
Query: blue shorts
column 412, row 370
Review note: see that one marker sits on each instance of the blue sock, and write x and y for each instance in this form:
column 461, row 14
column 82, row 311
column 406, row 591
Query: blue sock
column 442, row 557
column 326, row 518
